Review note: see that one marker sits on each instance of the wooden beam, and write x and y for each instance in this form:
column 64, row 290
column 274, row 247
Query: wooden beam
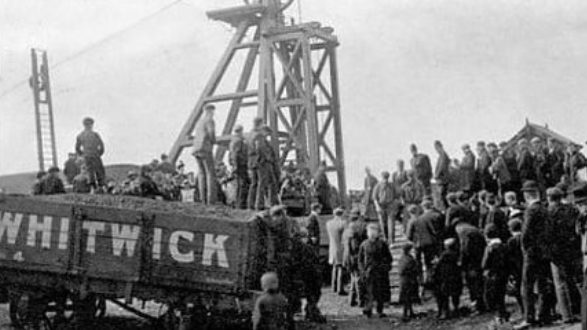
column 231, row 96
column 209, row 89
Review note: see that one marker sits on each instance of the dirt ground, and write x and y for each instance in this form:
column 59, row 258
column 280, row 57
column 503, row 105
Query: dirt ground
column 340, row 316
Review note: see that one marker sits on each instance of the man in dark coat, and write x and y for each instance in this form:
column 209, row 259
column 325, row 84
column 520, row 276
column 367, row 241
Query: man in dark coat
column 421, row 165
column 556, row 162
column 51, row 184
column 266, row 168
column 495, row 273
column 238, row 159
column 203, row 145
column 563, row 251
column 441, row 173
column 90, row 147
column 472, row 244
column 497, row 217
column 536, row 265
column 323, row 189
column 368, row 185
column 525, row 162
column 386, row 204
column 467, row 169
column 252, row 162
column 422, row 234
column 447, row 279
column 71, row 168
column 374, row 264
column 352, row 238
column 483, row 164
column 313, row 226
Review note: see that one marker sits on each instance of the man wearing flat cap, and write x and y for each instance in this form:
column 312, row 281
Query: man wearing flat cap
column 266, row 171
column 467, row 168
column 385, row 199
column 203, row 145
column 335, row 228
column 536, row 265
column 238, row 159
column 90, row 147
column 352, row 237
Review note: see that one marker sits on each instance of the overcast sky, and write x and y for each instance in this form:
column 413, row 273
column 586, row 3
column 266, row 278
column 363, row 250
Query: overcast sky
column 410, row 71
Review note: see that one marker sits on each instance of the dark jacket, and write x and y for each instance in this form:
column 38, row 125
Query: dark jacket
column 447, row 274
column 51, row 184
column 467, row 180
column 515, row 256
column 526, row 166
column 270, row 312
column 239, row 154
column 89, row 144
column 563, row 241
column 472, row 243
column 495, row 260
column 498, row 218
column 352, row 238
column 534, row 231
column 423, row 168
column 441, row 172
column 313, row 229
column 374, row 258
column 421, row 232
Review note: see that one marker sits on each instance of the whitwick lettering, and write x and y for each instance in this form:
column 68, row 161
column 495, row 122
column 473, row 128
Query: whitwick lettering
column 123, row 238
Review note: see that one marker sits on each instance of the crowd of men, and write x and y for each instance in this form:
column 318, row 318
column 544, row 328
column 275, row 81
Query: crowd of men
column 495, row 169
column 507, row 219
column 259, row 179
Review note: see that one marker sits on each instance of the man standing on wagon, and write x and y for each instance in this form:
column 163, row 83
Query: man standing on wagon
column 204, row 140
column 90, row 147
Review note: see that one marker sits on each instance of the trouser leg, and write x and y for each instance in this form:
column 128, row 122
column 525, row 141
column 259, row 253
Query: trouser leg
column 253, row 186
column 100, row 172
column 241, row 190
column 202, row 187
column 563, row 294
column 262, row 182
column 383, row 216
column 211, row 183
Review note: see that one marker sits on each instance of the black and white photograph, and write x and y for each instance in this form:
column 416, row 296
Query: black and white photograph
column 293, row 164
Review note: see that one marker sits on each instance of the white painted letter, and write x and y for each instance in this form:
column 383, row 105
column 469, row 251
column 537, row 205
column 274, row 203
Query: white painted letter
column 10, row 224
column 44, row 227
column 174, row 246
column 92, row 227
column 124, row 236
column 64, row 234
column 214, row 246
column 157, row 243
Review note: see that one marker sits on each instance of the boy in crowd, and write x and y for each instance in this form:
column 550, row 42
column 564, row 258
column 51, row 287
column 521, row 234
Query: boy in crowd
column 271, row 307
column 515, row 258
column 495, row 273
column 374, row 264
column 409, row 271
column 447, row 279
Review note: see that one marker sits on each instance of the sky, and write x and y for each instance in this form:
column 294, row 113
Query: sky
column 411, row 71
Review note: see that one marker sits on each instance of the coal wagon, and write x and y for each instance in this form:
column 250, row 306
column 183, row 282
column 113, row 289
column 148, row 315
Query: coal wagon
column 63, row 256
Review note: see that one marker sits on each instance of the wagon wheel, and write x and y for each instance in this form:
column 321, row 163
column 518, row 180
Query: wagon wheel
column 27, row 312
column 91, row 307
